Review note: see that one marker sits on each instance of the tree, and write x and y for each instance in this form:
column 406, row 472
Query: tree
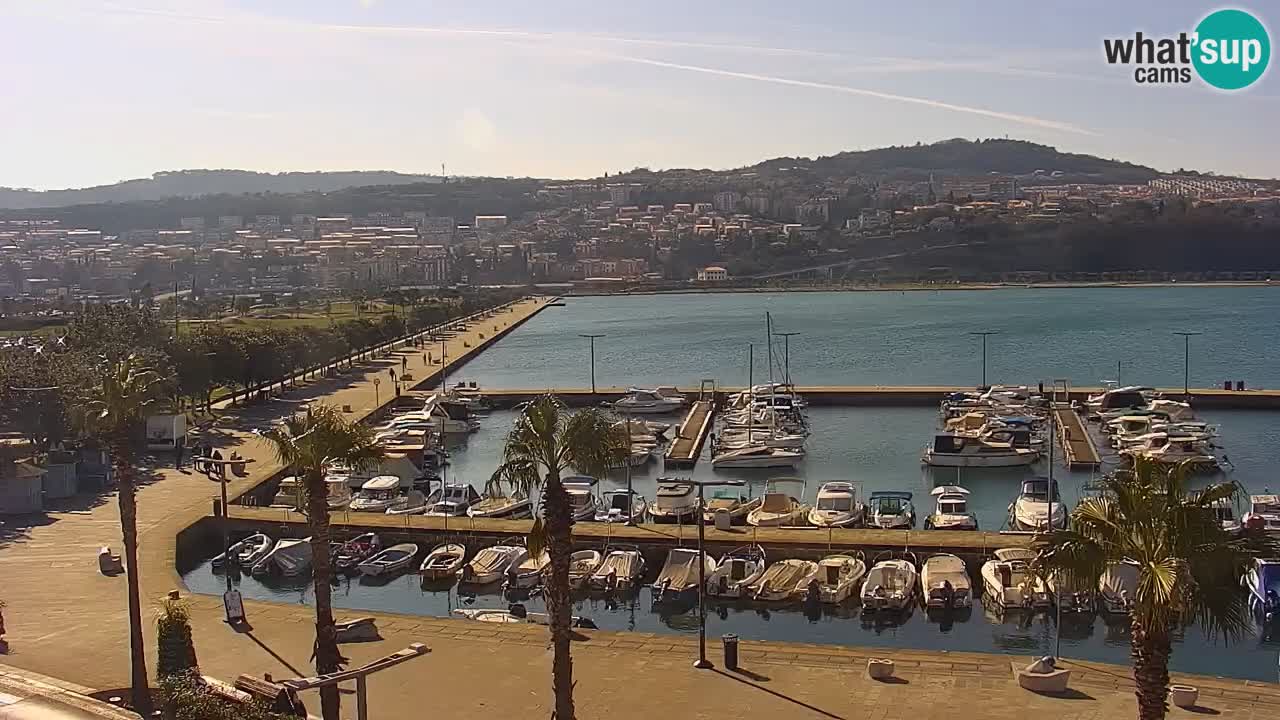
column 1189, row 568
column 115, row 414
column 545, row 442
column 308, row 444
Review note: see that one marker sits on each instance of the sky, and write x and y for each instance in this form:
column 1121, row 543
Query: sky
column 95, row 91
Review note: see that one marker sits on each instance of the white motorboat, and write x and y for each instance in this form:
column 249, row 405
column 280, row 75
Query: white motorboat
column 739, row 439
column 621, row 568
column 529, row 572
column 582, row 565
column 784, row 580
column 1173, row 449
column 503, row 507
column 1263, row 583
column 950, row 510
column 837, row 505
column 949, row 450
column 491, row 564
column 348, row 556
column 446, row 509
column 443, row 562
column 1264, row 513
column 676, row 502
column 1120, row 398
column 582, row 496
column 1008, row 583
column 289, row 558
column 890, row 585
column 288, row 494
column 758, row 456
column 517, row 613
column 946, row 582
column 455, row 499
column 737, row 504
column 378, row 494
column 448, row 417
column 736, row 572
column 412, row 503
column 679, row 573
column 1118, row 587
column 839, row 577
column 1174, row 410
column 1035, row 510
column 889, row 509
column 1071, row 598
column 638, row 455
column 245, row 553
column 777, row 510
column 659, row 400
column 619, row 506
column 394, row 559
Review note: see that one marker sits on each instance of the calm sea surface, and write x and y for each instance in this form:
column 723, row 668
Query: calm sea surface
column 880, row 338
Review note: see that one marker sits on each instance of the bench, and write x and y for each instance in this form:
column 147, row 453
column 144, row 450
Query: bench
column 108, row 562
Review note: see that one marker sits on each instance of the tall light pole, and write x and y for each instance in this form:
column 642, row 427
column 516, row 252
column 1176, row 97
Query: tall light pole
column 786, row 354
column 984, row 334
column 1186, row 362
column 703, row 663
column 592, row 338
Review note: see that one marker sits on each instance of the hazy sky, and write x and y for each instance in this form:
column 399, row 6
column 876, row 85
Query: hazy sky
column 96, row 92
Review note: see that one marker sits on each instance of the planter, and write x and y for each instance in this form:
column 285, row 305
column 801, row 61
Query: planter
column 879, row 668
column 1183, row 696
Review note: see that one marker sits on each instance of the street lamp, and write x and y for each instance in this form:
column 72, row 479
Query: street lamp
column 1186, row 362
column 592, row 338
column 703, row 663
column 984, row 334
column 786, row 353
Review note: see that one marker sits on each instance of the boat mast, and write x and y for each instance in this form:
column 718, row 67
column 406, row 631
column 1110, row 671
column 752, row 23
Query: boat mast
column 751, row 389
column 768, row 328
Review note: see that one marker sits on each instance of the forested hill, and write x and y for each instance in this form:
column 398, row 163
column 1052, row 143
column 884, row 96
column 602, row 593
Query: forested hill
column 198, row 183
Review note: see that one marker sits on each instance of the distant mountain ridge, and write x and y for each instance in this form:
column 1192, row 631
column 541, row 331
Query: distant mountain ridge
column 197, row 183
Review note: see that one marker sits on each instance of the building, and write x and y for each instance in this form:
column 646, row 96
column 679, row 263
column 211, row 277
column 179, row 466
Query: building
column 490, row 222
column 230, row 222
column 713, row 273
column 726, row 201
column 1003, row 189
column 191, row 223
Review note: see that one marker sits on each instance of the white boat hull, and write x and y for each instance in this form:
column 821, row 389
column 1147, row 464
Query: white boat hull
column 961, row 460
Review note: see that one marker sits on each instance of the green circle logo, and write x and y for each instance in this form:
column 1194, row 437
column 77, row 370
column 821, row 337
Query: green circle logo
column 1231, row 49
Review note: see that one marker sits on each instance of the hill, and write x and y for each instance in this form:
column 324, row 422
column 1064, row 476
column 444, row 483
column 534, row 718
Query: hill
column 198, row 183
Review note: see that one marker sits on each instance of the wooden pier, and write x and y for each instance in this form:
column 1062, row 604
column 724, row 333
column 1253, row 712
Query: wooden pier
column 687, row 446
column 1075, row 440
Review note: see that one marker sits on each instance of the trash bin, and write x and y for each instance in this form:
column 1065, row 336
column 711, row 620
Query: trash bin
column 723, row 520
column 1240, row 385
column 730, row 651
column 1226, row 384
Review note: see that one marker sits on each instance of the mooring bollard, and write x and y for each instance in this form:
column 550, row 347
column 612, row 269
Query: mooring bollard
column 730, row 651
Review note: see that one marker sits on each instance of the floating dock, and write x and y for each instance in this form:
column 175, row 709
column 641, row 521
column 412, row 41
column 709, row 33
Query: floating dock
column 1075, row 440
column 687, row 446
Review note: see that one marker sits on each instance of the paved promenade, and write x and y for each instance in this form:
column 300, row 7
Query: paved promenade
column 65, row 620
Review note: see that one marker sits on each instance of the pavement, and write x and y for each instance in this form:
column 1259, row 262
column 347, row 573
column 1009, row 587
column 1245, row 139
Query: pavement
column 66, row 620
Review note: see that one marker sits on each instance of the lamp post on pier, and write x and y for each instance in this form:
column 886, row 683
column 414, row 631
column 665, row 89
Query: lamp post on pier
column 984, row 334
column 592, row 338
column 703, row 663
column 1186, row 362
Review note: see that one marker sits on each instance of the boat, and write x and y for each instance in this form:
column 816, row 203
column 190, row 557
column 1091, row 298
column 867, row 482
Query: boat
column 620, row 568
column 449, row 417
column 411, row 503
column 517, row 613
column 1035, row 510
column 378, row 494
column 582, row 565
column 778, row 509
column 1118, row 587
column 443, row 562
column 738, row 439
column 491, row 564
column 1120, row 398
column 245, row 553
column 620, row 506
column 288, row 494
column 733, row 502
column 349, row 555
column 659, row 400
column 638, row 455
column 891, row 509
column 891, row 584
column 950, row 450
column 1173, row 449
column 1263, row 582
column 837, row 506
column 676, row 502
column 945, row 581
column 390, row 561
column 455, row 499
column 758, row 456
column 1071, row 598
column 680, row 572
column 582, row 496
column 784, row 580
column 950, row 510
column 529, row 572
column 497, row 506
column 1264, row 513
column 839, row 577
column 1008, row 583
column 289, row 558
column 736, row 572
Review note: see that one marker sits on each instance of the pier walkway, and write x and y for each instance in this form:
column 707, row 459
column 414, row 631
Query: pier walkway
column 1075, row 440
column 686, row 448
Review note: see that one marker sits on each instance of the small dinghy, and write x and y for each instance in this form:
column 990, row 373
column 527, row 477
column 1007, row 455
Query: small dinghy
column 736, row 572
column 784, row 580
column 491, row 564
column 838, row 577
column 582, row 565
column 890, row 584
column 443, row 562
column 517, row 613
column 245, row 553
column 946, row 583
column 621, row 568
column 390, row 561
column 350, row 554
column 529, row 572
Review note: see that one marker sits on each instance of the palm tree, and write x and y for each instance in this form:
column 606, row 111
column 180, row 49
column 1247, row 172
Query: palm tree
column 1189, row 567
column 309, row 443
column 546, row 441
column 116, row 415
